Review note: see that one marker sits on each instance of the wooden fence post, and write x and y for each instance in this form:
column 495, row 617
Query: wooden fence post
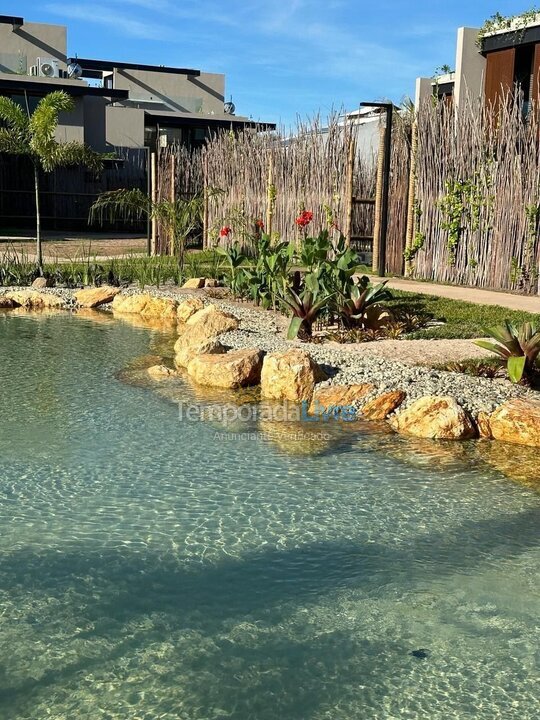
column 378, row 201
column 153, row 171
column 349, row 189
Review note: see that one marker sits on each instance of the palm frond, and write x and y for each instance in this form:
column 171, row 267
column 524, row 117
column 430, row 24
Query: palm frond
column 71, row 153
column 12, row 143
column 124, row 204
column 44, row 119
column 13, row 115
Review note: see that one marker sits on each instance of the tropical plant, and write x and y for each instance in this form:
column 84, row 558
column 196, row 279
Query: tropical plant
column 353, row 309
column 33, row 135
column 235, row 259
column 180, row 217
column 306, row 308
column 518, row 345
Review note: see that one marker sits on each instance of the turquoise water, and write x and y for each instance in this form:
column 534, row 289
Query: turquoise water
column 151, row 571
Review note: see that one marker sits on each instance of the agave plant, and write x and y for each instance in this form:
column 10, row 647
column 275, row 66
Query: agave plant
column 355, row 308
column 306, row 305
column 519, row 346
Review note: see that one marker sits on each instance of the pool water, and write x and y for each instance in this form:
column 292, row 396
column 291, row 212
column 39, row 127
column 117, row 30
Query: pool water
column 151, row 570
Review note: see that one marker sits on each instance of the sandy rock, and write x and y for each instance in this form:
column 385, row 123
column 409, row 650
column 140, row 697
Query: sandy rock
column 130, row 304
column 240, row 368
column 40, row 283
column 483, row 424
column 34, row 299
column 517, row 421
column 211, row 283
column 211, row 321
column 160, row 372
column 93, row 297
column 384, row 405
column 438, row 418
column 200, row 345
column 188, row 307
column 325, row 398
column 289, row 375
column 194, row 283
column 164, row 308
column 521, row 466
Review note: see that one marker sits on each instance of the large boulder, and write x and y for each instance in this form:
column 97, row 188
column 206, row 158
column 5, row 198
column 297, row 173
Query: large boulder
column 35, row 300
column 438, row 418
column 289, row 375
column 517, row 421
column 188, row 307
column 212, row 321
column 192, row 345
column 383, row 405
column 338, row 396
column 146, row 305
column 237, row 369
column 95, row 296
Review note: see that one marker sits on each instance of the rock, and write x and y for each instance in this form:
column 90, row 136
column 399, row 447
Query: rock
column 160, row 372
column 35, row 300
column 163, row 308
column 194, row 284
column 240, row 368
column 6, row 302
column 333, row 396
column 188, row 307
column 438, row 418
column 520, row 466
column 93, row 297
column 289, row 375
column 199, row 345
column 211, row 283
column 146, row 305
column 211, row 321
column 40, row 283
column 294, row 438
column 484, row 425
column 517, row 421
column 383, row 405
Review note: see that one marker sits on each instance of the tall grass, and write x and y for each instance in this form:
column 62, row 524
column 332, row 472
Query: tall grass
column 85, row 269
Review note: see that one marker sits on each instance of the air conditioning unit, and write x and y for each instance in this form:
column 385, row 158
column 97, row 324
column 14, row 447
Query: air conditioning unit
column 46, row 67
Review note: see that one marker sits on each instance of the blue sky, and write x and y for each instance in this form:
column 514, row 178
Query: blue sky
column 280, row 58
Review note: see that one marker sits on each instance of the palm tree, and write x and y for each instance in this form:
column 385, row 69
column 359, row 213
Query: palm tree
column 180, row 218
column 33, row 135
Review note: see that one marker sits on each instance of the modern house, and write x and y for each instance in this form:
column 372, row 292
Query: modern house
column 117, row 104
column 490, row 63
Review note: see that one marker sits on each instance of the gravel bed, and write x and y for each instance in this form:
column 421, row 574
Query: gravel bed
column 265, row 330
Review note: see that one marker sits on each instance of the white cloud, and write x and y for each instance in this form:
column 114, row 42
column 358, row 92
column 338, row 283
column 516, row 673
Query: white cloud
column 118, row 22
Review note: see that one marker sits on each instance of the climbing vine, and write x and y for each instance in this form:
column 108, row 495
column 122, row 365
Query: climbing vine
column 526, row 274
column 497, row 22
column 461, row 208
column 419, row 237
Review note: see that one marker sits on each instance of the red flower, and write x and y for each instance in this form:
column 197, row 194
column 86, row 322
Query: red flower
column 304, row 219
column 259, row 224
column 225, row 231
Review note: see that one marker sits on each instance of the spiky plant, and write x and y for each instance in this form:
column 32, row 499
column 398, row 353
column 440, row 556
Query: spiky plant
column 352, row 309
column 180, row 217
column 33, row 135
column 519, row 346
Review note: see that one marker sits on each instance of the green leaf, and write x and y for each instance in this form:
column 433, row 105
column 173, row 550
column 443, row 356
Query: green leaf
column 516, row 368
column 294, row 327
column 492, row 347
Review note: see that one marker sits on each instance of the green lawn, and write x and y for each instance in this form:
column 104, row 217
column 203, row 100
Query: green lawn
column 462, row 319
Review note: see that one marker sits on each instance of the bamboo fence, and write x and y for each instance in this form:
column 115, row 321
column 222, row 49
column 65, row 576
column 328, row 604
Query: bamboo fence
column 477, row 203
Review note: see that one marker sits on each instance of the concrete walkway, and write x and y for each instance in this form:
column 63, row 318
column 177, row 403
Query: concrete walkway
column 527, row 303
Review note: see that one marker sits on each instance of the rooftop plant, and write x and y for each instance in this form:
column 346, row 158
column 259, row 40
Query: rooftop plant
column 518, row 23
